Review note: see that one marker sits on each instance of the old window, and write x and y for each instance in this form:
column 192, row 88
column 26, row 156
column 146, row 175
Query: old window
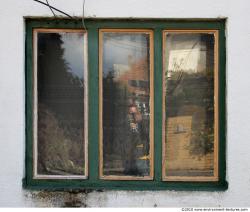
column 126, row 104
column 139, row 104
column 60, row 104
column 190, row 105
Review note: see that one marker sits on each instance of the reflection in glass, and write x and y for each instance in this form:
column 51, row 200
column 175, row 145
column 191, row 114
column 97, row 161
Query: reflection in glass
column 189, row 104
column 126, row 110
column 60, row 87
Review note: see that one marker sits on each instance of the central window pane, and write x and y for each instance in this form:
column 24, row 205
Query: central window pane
column 126, row 108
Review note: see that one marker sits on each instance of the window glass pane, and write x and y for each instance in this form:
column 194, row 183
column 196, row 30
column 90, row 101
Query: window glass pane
column 189, row 106
column 61, row 84
column 126, row 111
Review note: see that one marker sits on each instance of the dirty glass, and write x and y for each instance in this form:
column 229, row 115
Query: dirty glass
column 125, row 99
column 189, row 104
column 61, row 85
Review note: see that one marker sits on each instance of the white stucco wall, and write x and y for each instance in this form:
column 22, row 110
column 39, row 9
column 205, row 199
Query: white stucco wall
column 12, row 101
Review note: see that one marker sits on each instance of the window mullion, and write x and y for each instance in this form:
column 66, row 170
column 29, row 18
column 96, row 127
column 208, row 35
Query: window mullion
column 93, row 103
column 158, row 103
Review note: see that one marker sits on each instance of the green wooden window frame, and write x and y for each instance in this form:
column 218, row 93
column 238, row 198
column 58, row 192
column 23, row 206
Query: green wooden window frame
column 93, row 181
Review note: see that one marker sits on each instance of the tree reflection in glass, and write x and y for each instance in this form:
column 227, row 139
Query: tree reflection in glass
column 126, row 109
column 60, row 87
column 189, row 104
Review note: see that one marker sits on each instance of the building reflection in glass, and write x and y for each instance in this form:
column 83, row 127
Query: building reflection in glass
column 189, row 104
column 126, row 109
